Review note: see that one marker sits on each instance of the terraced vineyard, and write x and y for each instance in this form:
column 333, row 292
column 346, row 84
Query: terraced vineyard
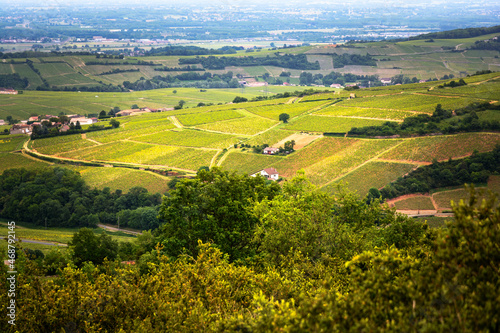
column 245, row 126
column 123, row 179
column 425, row 149
column 269, row 137
column 61, row 144
column 208, row 117
column 375, row 174
column 293, row 110
column 415, row 203
column 314, row 153
column 328, row 169
column 190, row 138
column 248, row 163
column 337, row 110
column 410, row 102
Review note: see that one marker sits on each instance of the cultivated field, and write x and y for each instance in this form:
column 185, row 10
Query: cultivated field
column 425, row 149
column 374, row 174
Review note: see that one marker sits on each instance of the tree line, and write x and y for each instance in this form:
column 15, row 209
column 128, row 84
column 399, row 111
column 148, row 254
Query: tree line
column 58, row 197
column 287, row 61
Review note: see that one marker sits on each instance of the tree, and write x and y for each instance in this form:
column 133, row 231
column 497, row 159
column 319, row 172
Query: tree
column 239, row 99
column 284, row 117
column 114, row 123
column 87, row 246
column 135, row 106
column 78, row 126
column 102, row 114
column 213, row 207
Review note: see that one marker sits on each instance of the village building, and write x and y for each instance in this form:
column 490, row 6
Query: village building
column 34, row 118
column 81, row 120
column 269, row 173
column 336, row 85
column 20, row 129
column 270, row 151
column 2, row 122
column 8, row 91
column 386, row 81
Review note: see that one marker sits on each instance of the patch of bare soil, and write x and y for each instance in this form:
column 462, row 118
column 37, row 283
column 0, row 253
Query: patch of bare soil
column 301, row 140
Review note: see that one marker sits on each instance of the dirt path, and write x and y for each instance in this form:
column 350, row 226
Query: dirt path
column 175, row 121
column 114, row 229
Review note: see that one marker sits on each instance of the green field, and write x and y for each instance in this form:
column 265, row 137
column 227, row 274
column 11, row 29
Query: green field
column 270, row 137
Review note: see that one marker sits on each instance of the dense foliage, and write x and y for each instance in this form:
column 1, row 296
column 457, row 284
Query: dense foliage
column 339, row 61
column 213, row 207
column 177, row 50
column 190, row 79
column 459, row 33
column 286, row 61
column 324, row 264
column 13, row 81
column 58, row 197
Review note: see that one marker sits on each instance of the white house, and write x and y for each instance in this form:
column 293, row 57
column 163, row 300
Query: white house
column 82, row 120
column 386, row 81
column 269, row 173
column 270, row 150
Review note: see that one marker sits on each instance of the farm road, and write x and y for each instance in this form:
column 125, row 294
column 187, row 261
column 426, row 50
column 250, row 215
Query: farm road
column 37, row 242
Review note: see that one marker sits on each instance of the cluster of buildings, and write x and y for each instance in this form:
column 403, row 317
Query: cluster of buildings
column 26, row 126
column 8, row 91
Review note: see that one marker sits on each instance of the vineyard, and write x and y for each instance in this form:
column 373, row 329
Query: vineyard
column 426, row 149
column 16, row 160
column 293, row 110
column 415, row 203
column 314, row 153
column 410, row 102
column 335, row 166
column 61, row 144
column 314, row 123
column 245, row 126
column 248, row 163
column 337, row 110
column 11, row 143
column 123, row 179
column 374, row 174
column 269, row 137
column 190, row 138
column 208, row 117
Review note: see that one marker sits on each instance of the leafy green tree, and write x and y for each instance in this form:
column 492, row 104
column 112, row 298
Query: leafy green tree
column 114, row 123
column 213, row 207
column 284, row 117
column 87, row 246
